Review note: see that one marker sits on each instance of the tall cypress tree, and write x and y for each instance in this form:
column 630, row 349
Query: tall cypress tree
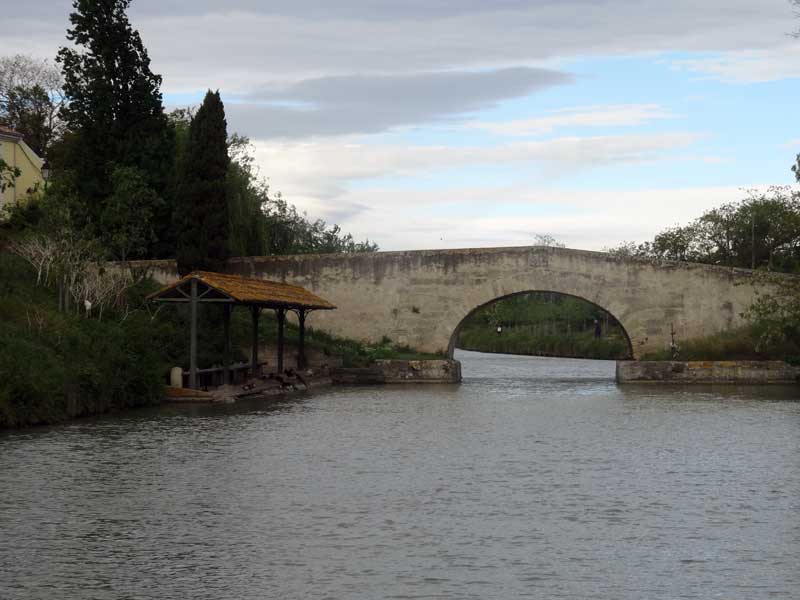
column 114, row 112
column 201, row 208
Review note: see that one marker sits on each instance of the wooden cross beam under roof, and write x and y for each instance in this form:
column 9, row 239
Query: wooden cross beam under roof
column 233, row 290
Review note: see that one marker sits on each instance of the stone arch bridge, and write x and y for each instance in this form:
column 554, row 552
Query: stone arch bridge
column 420, row 298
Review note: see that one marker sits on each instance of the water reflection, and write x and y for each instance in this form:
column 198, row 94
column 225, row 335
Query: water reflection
column 535, row 477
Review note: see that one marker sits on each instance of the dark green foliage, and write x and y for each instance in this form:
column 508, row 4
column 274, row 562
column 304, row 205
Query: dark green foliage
column 23, row 215
column 201, row 209
column 544, row 323
column 776, row 311
column 127, row 219
column 114, row 110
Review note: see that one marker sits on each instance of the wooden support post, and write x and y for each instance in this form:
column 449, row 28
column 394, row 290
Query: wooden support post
column 301, row 351
column 255, row 311
column 226, row 324
column 281, row 314
column 193, row 338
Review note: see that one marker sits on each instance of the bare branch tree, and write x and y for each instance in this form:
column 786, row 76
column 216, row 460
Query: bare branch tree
column 30, row 84
column 547, row 240
column 40, row 252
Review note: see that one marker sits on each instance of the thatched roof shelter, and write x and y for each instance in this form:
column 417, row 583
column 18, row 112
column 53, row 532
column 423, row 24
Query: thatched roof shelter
column 233, row 290
column 219, row 287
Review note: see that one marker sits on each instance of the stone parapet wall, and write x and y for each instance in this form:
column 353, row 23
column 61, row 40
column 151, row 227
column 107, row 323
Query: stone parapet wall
column 720, row 371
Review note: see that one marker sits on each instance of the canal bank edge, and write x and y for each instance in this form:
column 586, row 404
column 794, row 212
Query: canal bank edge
column 716, row 371
column 401, row 371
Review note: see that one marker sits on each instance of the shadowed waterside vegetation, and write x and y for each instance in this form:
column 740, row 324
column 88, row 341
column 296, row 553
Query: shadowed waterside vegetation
column 57, row 364
column 544, row 324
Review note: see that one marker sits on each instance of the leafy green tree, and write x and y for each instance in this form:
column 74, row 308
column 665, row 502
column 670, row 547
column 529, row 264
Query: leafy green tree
column 716, row 232
column 202, row 215
column 771, row 221
column 127, row 217
column 290, row 232
column 114, row 110
column 675, row 243
column 246, row 197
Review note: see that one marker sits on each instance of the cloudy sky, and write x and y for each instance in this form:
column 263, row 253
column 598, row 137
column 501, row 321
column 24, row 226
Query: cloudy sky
column 453, row 123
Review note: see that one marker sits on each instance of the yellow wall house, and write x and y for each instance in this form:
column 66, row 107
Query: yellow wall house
column 16, row 153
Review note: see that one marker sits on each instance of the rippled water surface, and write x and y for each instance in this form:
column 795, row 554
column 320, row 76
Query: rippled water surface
column 534, row 478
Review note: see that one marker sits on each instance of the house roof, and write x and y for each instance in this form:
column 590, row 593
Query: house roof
column 8, row 132
column 219, row 287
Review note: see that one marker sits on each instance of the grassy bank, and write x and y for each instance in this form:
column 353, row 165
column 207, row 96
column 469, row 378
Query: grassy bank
column 743, row 343
column 352, row 353
column 54, row 366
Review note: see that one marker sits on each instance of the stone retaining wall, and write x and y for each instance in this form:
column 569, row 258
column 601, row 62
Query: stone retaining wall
column 721, row 371
column 401, row 371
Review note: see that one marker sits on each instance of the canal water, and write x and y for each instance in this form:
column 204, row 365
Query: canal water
column 535, row 478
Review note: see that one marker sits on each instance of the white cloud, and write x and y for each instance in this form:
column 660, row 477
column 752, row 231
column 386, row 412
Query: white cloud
column 323, row 169
column 507, row 216
column 619, row 115
column 469, row 217
column 748, row 66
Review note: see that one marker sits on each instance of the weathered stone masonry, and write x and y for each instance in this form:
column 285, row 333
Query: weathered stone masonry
column 419, row 298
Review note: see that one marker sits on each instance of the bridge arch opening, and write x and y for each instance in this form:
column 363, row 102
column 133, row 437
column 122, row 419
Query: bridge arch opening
column 542, row 323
